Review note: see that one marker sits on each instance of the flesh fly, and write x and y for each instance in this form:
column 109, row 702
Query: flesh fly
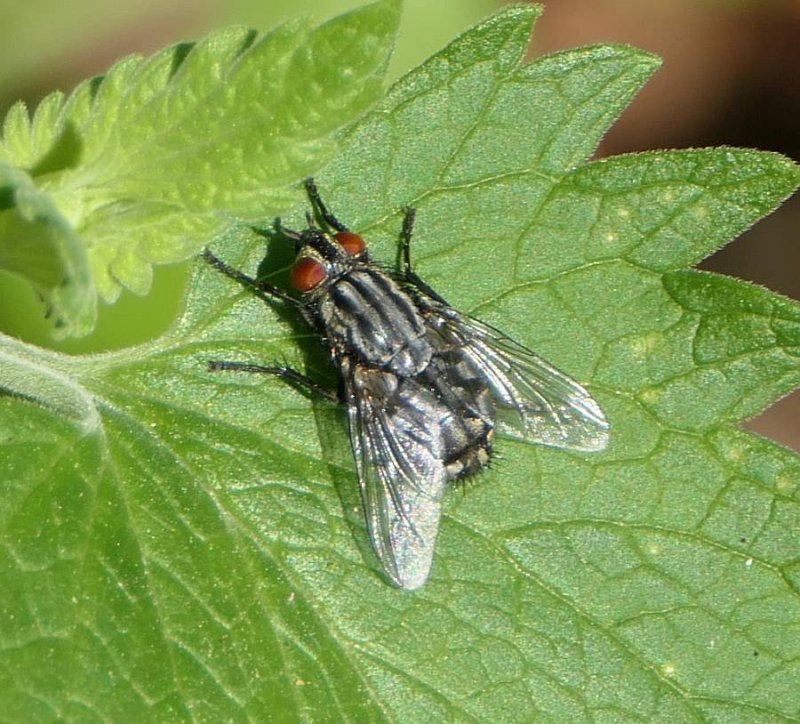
column 426, row 388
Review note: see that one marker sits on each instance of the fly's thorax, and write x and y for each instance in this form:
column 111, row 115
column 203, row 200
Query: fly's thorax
column 365, row 313
column 362, row 311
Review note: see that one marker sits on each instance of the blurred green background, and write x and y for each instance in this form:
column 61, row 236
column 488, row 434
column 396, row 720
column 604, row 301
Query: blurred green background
column 729, row 78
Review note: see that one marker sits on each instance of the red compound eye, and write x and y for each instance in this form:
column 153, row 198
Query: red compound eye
column 352, row 243
column 308, row 273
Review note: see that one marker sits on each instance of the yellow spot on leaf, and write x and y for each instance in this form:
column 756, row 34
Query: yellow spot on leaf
column 786, row 484
column 651, row 396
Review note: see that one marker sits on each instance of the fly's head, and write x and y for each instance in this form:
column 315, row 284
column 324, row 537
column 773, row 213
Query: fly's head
column 322, row 258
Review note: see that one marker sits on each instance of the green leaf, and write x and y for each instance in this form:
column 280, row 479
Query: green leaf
column 146, row 164
column 179, row 544
column 39, row 243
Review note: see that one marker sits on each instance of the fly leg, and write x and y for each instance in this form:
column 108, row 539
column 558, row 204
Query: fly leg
column 405, row 246
column 267, row 293
column 263, row 290
column 293, row 377
column 321, row 208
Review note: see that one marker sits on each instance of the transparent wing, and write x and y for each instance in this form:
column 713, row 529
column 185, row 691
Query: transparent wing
column 396, row 440
column 536, row 402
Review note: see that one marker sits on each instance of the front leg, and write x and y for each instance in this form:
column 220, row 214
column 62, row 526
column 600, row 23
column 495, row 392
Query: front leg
column 321, row 207
column 263, row 290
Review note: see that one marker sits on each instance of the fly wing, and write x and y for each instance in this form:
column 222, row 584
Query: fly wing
column 395, row 433
column 535, row 401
